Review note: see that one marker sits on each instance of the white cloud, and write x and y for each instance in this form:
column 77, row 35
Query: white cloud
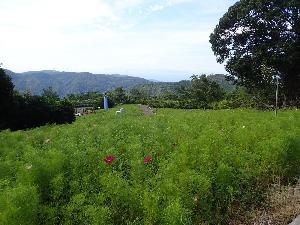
column 54, row 13
column 121, row 5
column 101, row 36
column 173, row 2
column 157, row 7
column 165, row 4
column 214, row 6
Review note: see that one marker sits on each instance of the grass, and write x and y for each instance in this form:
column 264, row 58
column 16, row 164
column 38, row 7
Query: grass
column 205, row 167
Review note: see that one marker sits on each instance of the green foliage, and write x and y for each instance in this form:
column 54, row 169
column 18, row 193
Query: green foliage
column 239, row 98
column 6, row 98
column 90, row 99
column 223, row 81
column 258, row 39
column 199, row 93
column 203, row 89
column 119, row 95
column 32, row 111
column 178, row 104
column 63, row 112
column 18, row 205
column 65, row 83
column 137, row 95
column 160, row 88
column 26, row 111
column 203, row 164
column 50, row 95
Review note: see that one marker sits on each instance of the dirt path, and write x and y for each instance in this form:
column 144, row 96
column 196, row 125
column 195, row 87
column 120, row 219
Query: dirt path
column 284, row 207
column 146, row 109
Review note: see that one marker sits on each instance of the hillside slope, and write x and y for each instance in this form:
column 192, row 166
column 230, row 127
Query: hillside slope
column 70, row 82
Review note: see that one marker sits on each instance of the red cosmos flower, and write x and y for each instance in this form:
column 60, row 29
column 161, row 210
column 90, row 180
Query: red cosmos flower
column 147, row 159
column 109, row 159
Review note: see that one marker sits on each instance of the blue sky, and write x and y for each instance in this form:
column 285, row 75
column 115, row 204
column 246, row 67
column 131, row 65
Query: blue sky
column 166, row 40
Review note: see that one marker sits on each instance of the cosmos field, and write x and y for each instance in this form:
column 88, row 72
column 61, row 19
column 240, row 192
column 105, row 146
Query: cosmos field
column 174, row 167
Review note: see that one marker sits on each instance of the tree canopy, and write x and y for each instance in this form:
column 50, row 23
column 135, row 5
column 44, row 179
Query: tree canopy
column 257, row 39
column 204, row 89
column 6, row 89
column 6, row 97
column 119, row 95
column 22, row 111
column 50, row 95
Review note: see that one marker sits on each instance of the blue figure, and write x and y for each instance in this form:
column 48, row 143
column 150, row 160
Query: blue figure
column 105, row 102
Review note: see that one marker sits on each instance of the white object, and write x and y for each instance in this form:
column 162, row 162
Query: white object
column 122, row 110
column 28, row 167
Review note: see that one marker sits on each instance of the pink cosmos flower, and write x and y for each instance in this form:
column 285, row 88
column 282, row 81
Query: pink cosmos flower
column 109, row 159
column 147, row 159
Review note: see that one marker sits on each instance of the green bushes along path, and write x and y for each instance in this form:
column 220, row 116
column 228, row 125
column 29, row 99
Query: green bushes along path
column 175, row 167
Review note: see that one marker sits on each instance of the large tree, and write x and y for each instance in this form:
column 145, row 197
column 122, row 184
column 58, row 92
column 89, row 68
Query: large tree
column 257, row 39
column 6, row 98
column 201, row 90
column 120, row 95
column 204, row 89
column 50, row 95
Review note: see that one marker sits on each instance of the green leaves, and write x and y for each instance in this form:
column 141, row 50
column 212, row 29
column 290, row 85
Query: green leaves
column 6, row 98
column 19, row 205
column 203, row 164
column 257, row 34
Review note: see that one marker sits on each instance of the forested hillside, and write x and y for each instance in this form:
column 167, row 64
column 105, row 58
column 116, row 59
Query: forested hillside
column 70, row 82
column 65, row 83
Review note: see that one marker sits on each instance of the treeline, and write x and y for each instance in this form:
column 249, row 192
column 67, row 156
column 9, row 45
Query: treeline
column 158, row 88
column 22, row 111
column 204, row 93
column 201, row 92
column 90, row 99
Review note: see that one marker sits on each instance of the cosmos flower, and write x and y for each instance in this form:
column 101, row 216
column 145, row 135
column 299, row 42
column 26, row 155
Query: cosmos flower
column 28, row 167
column 109, row 159
column 196, row 198
column 147, row 159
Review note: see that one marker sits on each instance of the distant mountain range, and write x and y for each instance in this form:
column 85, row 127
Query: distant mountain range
column 71, row 82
